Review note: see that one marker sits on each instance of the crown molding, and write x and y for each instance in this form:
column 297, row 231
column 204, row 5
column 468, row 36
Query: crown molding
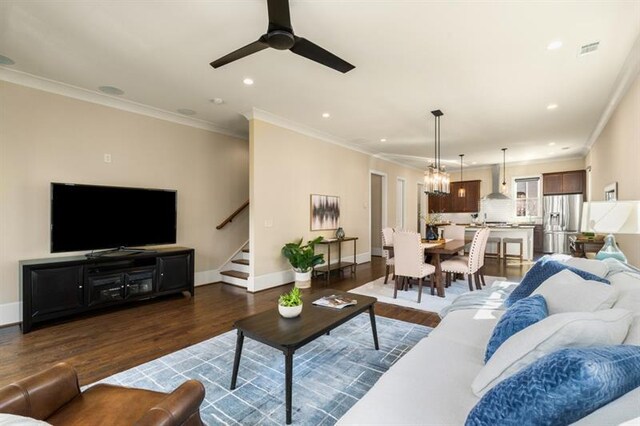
column 383, row 156
column 64, row 89
column 628, row 74
column 581, row 156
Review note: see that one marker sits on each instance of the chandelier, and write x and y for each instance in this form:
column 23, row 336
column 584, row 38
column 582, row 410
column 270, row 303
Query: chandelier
column 436, row 179
column 462, row 192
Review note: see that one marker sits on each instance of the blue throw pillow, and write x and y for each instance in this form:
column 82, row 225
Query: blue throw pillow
column 560, row 388
column 519, row 316
column 539, row 272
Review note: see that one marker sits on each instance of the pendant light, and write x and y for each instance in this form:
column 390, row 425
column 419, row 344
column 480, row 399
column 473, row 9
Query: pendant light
column 461, row 191
column 504, row 170
column 436, row 179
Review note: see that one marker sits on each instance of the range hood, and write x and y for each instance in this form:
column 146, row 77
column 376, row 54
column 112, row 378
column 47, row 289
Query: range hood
column 495, row 185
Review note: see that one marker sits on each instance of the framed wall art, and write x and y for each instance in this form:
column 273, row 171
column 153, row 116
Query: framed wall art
column 611, row 192
column 325, row 212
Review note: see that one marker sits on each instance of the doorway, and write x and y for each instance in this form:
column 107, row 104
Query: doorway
column 401, row 184
column 377, row 206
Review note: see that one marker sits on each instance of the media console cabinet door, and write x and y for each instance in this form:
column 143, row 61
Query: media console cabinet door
column 56, row 289
column 174, row 272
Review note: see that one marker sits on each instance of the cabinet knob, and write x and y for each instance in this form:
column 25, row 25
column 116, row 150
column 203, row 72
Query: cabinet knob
column 79, row 286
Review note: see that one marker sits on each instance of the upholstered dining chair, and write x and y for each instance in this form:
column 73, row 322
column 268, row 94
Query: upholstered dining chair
column 469, row 265
column 409, row 261
column 387, row 240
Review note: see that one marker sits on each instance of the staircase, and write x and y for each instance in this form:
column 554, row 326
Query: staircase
column 236, row 272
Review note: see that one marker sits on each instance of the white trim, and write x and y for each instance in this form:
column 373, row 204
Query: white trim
column 10, row 313
column 403, row 204
column 625, row 79
column 275, row 279
column 227, row 263
column 52, row 86
column 383, row 218
column 285, row 123
column 207, row 277
column 383, row 156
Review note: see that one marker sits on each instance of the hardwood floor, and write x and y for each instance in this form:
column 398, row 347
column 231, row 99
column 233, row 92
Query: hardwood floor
column 110, row 341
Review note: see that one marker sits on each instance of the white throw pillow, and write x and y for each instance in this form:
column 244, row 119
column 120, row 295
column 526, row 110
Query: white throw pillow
column 595, row 267
column 13, row 420
column 568, row 292
column 576, row 329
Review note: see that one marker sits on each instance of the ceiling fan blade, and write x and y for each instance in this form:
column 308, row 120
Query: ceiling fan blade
column 247, row 50
column 279, row 17
column 309, row 50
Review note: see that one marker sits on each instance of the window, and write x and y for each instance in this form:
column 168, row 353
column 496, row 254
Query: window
column 527, row 196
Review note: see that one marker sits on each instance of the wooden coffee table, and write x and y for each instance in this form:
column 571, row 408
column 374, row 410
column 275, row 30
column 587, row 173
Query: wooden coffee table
column 289, row 334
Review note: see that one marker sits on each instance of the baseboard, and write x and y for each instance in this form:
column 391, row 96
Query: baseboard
column 10, row 313
column 275, row 279
column 207, row 277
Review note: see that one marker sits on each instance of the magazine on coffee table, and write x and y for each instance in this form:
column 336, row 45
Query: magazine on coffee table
column 335, row 301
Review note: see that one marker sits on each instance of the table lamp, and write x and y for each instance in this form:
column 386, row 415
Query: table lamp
column 611, row 217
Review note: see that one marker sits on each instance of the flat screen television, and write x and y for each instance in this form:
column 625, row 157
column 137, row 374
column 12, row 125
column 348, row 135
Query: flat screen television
column 91, row 217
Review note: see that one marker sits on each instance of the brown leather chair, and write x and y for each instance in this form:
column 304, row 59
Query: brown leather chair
column 54, row 396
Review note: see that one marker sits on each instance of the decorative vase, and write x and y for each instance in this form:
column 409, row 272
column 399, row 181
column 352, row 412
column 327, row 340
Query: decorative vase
column 610, row 250
column 303, row 279
column 432, row 233
column 290, row 311
column 340, row 233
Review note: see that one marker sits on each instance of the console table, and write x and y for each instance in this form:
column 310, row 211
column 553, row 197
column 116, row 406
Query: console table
column 339, row 265
column 63, row 286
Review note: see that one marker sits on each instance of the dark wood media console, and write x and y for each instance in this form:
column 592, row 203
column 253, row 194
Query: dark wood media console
column 64, row 286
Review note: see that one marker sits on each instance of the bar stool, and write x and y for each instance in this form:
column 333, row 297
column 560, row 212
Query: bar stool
column 506, row 241
column 496, row 241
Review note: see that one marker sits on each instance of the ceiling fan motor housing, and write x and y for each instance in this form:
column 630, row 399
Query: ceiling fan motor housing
column 281, row 40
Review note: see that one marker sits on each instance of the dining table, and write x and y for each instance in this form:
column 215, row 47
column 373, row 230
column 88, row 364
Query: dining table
column 436, row 249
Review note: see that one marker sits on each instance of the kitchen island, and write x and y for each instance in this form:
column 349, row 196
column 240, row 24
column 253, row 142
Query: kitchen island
column 508, row 231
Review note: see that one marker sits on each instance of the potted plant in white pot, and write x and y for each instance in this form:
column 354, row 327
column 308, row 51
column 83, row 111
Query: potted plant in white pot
column 290, row 304
column 303, row 258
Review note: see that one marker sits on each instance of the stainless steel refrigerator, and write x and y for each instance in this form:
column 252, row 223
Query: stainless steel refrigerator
column 561, row 219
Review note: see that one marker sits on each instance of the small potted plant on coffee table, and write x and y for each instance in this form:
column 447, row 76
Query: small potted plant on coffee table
column 290, row 303
column 303, row 258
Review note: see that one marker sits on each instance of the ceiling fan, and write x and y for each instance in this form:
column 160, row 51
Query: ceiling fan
column 280, row 36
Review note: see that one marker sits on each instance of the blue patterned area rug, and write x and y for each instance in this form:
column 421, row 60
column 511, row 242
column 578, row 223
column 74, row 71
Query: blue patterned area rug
column 330, row 374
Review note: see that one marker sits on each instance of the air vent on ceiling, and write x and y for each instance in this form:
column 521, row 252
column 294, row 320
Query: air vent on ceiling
column 589, row 48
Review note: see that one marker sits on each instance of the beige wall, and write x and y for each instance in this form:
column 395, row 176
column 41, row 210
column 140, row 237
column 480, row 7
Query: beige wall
column 615, row 157
column 46, row 137
column 286, row 168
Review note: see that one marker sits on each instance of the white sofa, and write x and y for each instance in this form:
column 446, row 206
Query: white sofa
column 431, row 384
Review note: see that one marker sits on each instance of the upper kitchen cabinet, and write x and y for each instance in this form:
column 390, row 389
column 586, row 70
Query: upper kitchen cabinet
column 572, row 182
column 453, row 204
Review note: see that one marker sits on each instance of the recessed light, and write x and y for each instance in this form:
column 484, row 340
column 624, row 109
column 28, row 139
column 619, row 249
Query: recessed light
column 564, row 148
column 186, row 111
column 110, row 90
column 326, row 115
column 4, row 60
column 557, row 44
column 383, row 140
column 552, row 143
column 217, row 101
column 552, row 106
column 248, row 81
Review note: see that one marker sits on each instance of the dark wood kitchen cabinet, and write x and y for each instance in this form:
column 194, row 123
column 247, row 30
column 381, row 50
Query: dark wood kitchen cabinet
column 572, row 182
column 451, row 203
column 538, row 236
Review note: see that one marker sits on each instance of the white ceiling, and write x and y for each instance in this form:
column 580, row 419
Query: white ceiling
column 485, row 64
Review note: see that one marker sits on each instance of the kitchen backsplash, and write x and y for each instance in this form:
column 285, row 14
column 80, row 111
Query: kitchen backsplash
column 495, row 210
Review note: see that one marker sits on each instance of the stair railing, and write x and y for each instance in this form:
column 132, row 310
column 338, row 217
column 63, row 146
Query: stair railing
column 233, row 215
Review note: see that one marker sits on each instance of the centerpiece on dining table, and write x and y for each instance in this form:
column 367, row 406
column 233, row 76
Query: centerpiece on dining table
column 432, row 220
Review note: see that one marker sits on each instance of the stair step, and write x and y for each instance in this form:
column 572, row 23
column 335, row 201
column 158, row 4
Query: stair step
column 235, row 274
column 241, row 261
column 245, row 250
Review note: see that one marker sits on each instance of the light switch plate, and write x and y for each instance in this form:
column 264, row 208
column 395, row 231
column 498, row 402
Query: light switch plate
column 107, row 158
